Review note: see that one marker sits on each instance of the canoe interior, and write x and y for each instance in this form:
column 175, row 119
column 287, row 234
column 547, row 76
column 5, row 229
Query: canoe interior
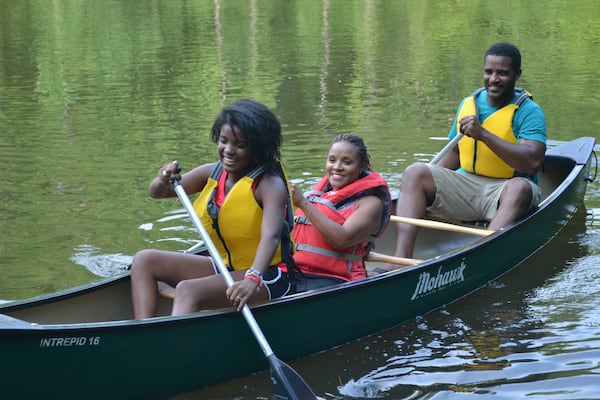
column 82, row 342
column 109, row 300
column 432, row 242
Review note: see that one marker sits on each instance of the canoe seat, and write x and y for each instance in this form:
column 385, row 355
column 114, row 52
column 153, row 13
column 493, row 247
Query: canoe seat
column 166, row 291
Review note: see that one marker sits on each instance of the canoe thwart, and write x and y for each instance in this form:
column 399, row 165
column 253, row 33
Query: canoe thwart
column 378, row 257
column 426, row 223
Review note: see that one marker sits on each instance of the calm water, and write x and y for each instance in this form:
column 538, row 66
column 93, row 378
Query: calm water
column 96, row 96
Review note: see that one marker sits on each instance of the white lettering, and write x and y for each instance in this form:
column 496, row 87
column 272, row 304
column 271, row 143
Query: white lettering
column 70, row 341
column 428, row 284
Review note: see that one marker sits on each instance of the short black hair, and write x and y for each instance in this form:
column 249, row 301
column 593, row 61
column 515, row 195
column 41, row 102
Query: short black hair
column 506, row 50
column 258, row 124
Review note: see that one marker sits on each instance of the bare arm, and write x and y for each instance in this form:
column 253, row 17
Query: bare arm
column 363, row 222
column 272, row 194
column 450, row 160
column 193, row 181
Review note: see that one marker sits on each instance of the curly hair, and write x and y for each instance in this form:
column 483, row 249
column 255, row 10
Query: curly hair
column 259, row 125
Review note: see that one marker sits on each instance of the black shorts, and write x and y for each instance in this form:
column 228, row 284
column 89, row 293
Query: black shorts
column 277, row 283
column 306, row 282
column 275, row 280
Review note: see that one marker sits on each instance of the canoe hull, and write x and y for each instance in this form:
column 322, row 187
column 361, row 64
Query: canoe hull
column 160, row 357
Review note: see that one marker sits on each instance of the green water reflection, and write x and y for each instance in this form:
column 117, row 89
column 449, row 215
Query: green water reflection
column 95, row 96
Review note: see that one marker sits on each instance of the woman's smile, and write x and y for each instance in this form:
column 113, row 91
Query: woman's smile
column 343, row 165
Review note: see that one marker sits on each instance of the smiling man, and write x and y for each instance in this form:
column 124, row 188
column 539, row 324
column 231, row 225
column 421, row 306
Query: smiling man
column 492, row 173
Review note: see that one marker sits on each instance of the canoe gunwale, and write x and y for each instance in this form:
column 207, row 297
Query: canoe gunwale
column 567, row 155
column 144, row 350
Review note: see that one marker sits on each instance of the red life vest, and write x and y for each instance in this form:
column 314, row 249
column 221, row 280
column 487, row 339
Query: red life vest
column 313, row 254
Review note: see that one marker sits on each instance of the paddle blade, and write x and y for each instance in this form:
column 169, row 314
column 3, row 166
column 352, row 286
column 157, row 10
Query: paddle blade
column 287, row 383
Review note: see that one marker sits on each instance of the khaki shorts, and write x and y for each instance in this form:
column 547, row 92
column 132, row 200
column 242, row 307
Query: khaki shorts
column 470, row 197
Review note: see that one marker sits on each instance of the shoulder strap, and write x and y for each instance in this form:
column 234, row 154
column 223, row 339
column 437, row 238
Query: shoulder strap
column 256, row 172
column 474, row 95
column 217, row 171
column 287, row 246
column 523, row 94
column 477, row 91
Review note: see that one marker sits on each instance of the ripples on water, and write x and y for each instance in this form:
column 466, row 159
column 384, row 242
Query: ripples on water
column 538, row 338
column 554, row 346
column 533, row 333
column 95, row 96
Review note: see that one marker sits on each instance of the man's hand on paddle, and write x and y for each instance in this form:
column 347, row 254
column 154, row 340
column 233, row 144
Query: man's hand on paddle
column 470, row 126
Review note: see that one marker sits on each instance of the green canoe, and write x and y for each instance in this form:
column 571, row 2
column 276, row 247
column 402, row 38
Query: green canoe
column 82, row 343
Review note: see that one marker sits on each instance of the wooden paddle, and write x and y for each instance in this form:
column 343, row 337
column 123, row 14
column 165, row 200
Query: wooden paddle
column 444, row 226
column 287, row 383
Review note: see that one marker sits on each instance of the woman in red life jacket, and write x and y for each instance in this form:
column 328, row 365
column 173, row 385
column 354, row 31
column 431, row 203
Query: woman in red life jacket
column 337, row 221
column 243, row 202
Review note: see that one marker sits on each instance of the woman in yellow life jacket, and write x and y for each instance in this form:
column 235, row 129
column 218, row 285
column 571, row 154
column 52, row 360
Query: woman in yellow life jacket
column 336, row 223
column 243, row 203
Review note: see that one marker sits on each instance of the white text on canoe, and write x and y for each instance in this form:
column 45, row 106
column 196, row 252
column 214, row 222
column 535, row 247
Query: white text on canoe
column 70, row 341
column 429, row 283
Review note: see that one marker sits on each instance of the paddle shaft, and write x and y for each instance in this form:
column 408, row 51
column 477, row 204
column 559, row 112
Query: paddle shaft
column 426, row 223
column 214, row 253
column 446, row 149
column 289, row 384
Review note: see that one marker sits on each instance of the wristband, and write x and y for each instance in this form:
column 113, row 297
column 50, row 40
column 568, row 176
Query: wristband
column 253, row 278
column 255, row 272
column 256, row 276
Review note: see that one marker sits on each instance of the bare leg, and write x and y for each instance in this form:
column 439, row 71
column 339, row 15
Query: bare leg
column 193, row 295
column 151, row 266
column 514, row 202
column 416, row 192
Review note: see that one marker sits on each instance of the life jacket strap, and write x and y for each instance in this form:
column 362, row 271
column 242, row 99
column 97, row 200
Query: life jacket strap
column 328, row 253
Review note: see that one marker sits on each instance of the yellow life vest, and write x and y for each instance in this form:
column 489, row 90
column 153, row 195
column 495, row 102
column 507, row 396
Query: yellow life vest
column 478, row 158
column 235, row 228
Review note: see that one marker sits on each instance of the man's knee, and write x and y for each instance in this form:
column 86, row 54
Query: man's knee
column 517, row 193
column 416, row 174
